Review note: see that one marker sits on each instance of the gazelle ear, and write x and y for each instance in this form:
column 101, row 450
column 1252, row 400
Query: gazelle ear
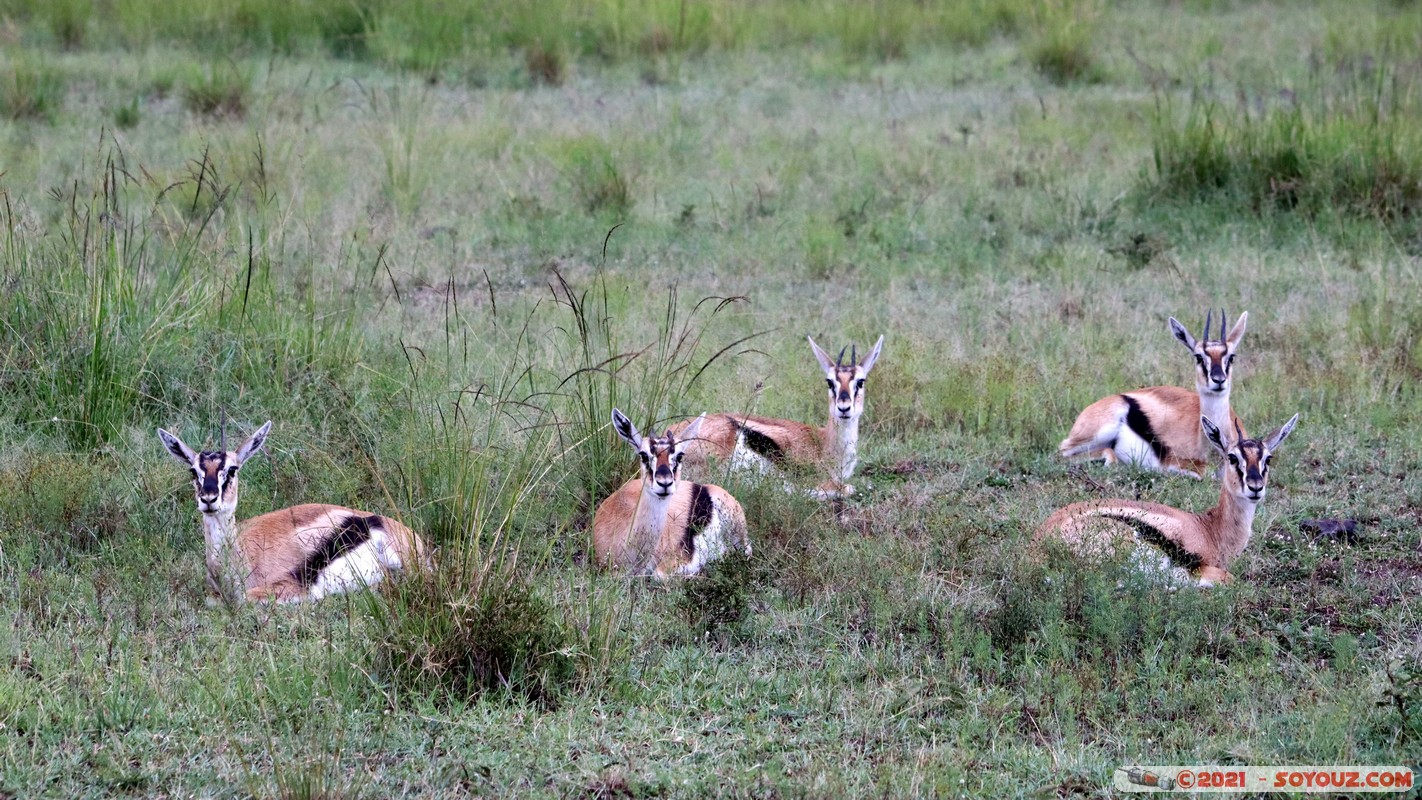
column 826, row 363
column 250, row 447
column 1182, row 334
column 1277, row 438
column 175, row 446
column 692, row 430
column 1237, row 332
column 873, row 355
column 626, row 429
column 1214, row 435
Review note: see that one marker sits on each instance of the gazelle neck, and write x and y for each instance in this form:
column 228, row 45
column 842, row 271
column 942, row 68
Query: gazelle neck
column 225, row 565
column 651, row 514
column 1215, row 405
column 841, row 442
column 1230, row 523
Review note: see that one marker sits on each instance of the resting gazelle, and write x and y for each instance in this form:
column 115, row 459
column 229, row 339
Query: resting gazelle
column 659, row 525
column 305, row 552
column 1156, row 428
column 764, row 444
column 1201, row 544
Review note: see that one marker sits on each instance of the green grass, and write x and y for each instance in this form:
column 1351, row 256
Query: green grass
column 437, row 262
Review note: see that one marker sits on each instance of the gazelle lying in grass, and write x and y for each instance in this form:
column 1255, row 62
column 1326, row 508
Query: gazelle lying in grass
column 1156, row 427
column 300, row 553
column 765, row 444
column 1202, row 544
column 658, row 524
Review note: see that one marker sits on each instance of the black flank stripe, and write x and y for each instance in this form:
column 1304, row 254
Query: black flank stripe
column 1137, row 421
column 760, row 444
column 700, row 517
column 350, row 534
column 1152, row 535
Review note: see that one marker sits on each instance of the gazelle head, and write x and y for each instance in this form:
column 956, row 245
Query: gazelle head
column 1247, row 472
column 215, row 472
column 1214, row 358
column 846, row 380
column 660, row 456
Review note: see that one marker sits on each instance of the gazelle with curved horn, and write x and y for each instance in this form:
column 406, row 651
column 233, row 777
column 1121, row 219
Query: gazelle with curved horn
column 659, row 525
column 1156, row 427
column 300, row 553
column 1201, row 544
column 766, row 444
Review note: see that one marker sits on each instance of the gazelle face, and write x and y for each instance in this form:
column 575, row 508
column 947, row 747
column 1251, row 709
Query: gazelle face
column 1214, row 358
column 1247, row 472
column 215, row 472
column 660, row 456
column 846, row 381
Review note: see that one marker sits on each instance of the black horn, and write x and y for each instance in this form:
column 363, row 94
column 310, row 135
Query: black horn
column 1222, row 323
column 223, row 440
column 839, row 362
column 853, row 355
column 1209, row 317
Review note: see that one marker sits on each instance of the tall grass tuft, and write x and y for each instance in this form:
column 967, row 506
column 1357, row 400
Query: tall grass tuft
column 456, row 634
column 1060, row 44
column 602, row 187
column 30, row 89
column 647, row 380
column 480, row 473
column 1350, row 147
column 220, row 90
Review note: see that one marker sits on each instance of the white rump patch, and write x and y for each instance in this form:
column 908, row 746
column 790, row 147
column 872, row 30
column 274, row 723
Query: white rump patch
column 713, row 542
column 365, row 565
column 1132, row 449
column 1156, row 567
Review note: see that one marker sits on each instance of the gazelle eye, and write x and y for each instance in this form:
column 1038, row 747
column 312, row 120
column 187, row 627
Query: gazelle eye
column 860, row 383
column 646, row 459
column 830, row 382
column 1234, row 459
column 1199, row 359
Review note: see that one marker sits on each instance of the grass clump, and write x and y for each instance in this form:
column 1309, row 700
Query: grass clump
column 456, row 635
column 1060, row 44
column 31, row 89
column 600, row 184
column 716, row 604
column 1352, row 150
column 221, row 90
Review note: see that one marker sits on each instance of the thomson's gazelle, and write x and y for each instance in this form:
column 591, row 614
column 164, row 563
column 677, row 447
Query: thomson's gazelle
column 659, row 525
column 300, row 553
column 1202, row 544
column 763, row 443
column 1156, row 427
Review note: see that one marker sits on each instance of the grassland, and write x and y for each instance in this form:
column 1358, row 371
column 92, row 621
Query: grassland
column 437, row 260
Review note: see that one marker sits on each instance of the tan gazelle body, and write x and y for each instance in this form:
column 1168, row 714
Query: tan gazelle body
column 304, row 552
column 1202, row 544
column 765, row 445
column 1157, row 427
column 659, row 525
